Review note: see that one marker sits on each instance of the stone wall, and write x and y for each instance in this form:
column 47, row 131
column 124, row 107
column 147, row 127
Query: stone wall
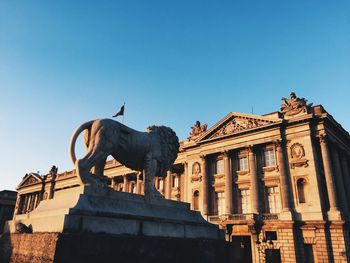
column 54, row 247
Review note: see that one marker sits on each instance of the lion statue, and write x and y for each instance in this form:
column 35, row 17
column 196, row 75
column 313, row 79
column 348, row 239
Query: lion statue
column 152, row 152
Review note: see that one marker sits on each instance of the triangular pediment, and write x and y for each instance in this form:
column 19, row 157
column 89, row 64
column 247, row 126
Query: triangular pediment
column 29, row 179
column 236, row 123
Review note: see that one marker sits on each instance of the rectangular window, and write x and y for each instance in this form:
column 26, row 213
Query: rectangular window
column 220, row 202
column 243, row 163
column 273, row 199
column 271, row 235
column 219, row 166
column 269, row 155
column 245, row 201
column 161, row 184
column 175, row 182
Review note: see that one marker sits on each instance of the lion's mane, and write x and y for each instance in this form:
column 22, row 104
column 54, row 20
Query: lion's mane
column 169, row 147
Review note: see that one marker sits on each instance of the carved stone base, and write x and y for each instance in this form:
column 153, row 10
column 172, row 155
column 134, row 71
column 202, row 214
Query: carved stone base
column 103, row 210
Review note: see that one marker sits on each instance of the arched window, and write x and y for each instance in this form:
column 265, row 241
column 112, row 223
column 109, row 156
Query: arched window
column 196, row 200
column 301, row 190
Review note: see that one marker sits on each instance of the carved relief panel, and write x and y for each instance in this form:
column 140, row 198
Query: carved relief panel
column 238, row 124
column 31, row 180
column 196, row 173
column 297, row 154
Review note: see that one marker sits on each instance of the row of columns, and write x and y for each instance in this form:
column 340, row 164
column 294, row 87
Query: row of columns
column 140, row 184
column 126, row 184
column 254, row 186
column 335, row 180
column 27, row 202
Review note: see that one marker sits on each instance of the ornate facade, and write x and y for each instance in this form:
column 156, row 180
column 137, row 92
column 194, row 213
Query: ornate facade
column 279, row 183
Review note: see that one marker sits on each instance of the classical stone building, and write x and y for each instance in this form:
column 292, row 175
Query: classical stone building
column 279, row 183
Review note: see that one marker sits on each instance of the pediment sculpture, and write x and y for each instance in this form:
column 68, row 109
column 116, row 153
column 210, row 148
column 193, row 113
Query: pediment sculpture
column 30, row 180
column 238, row 124
column 197, row 129
column 294, row 105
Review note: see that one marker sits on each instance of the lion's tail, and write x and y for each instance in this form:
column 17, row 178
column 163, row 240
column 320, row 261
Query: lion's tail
column 86, row 125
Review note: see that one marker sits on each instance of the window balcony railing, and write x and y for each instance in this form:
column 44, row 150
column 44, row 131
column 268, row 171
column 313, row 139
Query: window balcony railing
column 267, row 217
column 214, row 219
column 234, row 217
column 243, row 217
column 240, row 216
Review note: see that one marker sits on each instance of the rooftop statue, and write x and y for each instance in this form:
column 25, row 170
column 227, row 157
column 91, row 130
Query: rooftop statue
column 197, row 129
column 152, row 152
column 294, row 105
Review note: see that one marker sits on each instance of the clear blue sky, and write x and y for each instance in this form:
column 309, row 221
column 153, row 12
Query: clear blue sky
column 171, row 61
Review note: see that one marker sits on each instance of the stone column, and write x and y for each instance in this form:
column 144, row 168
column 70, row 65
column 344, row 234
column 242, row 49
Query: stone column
column 125, row 184
column 254, row 184
column 24, row 206
column 339, row 180
column 168, row 186
column 143, row 185
column 29, row 199
column 30, row 202
column 185, row 181
column 34, row 200
column 37, row 199
column 138, row 185
column 284, row 183
column 113, row 183
column 228, row 184
column 333, row 201
column 205, row 186
column 20, row 200
column 345, row 167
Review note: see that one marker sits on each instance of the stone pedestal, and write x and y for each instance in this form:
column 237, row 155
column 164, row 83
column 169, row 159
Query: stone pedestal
column 102, row 210
column 90, row 224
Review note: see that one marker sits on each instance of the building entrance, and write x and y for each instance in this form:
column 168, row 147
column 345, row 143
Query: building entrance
column 242, row 249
